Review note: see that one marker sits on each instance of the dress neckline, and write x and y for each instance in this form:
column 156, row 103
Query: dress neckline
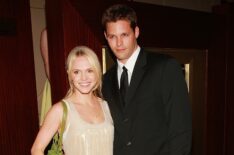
column 86, row 122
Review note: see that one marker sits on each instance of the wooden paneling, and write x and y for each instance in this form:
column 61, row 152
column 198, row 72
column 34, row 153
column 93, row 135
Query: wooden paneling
column 216, row 93
column 221, row 83
column 230, row 83
column 18, row 102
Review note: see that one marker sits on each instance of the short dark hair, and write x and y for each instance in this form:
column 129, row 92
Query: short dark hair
column 119, row 12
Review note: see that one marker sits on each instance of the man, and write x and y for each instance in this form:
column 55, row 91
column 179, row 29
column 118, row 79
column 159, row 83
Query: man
column 151, row 111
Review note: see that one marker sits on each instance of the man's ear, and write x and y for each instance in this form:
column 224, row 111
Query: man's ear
column 105, row 34
column 137, row 31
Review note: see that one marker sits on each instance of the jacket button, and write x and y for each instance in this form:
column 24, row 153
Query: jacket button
column 125, row 120
column 129, row 143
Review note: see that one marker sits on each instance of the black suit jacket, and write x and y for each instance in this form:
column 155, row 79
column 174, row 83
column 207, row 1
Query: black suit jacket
column 156, row 119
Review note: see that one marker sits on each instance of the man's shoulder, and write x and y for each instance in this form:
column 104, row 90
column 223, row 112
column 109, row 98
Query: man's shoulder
column 110, row 72
column 157, row 57
column 160, row 59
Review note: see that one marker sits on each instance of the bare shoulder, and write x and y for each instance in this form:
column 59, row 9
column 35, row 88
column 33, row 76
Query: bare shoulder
column 100, row 100
column 53, row 117
column 56, row 109
column 103, row 102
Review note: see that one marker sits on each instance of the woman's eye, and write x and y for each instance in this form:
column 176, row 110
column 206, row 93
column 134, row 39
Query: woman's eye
column 76, row 72
column 90, row 71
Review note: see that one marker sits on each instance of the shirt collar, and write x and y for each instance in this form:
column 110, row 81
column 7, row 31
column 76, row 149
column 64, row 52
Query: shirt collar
column 130, row 62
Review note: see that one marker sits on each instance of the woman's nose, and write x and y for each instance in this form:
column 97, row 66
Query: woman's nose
column 83, row 76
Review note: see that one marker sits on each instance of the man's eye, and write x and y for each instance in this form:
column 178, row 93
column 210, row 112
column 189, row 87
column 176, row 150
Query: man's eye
column 125, row 35
column 110, row 37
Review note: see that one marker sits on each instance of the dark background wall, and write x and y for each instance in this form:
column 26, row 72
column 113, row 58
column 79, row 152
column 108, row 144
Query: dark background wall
column 69, row 23
column 166, row 27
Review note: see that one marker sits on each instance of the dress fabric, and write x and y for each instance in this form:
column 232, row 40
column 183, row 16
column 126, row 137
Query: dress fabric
column 84, row 138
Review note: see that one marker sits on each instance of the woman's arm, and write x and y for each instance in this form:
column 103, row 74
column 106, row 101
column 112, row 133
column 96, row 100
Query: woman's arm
column 49, row 127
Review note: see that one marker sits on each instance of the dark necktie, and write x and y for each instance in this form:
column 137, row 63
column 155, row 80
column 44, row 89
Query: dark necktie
column 124, row 83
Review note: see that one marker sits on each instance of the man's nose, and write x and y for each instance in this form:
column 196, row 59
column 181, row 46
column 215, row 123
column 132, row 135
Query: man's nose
column 119, row 41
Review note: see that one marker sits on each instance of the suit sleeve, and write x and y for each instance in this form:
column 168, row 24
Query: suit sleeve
column 177, row 110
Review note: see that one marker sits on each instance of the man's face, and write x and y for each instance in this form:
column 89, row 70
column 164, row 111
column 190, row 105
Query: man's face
column 122, row 39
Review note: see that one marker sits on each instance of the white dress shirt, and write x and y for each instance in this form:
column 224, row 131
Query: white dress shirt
column 129, row 65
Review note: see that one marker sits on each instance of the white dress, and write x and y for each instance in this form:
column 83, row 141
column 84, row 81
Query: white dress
column 84, row 138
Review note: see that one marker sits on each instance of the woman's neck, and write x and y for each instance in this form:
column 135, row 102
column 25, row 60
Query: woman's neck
column 84, row 99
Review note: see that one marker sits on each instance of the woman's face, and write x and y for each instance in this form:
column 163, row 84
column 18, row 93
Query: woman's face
column 82, row 75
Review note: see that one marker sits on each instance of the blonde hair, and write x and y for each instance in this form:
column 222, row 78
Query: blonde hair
column 93, row 60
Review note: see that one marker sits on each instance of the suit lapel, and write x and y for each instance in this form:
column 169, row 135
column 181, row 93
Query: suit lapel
column 137, row 76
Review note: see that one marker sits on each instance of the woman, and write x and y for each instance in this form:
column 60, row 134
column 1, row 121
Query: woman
column 89, row 128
